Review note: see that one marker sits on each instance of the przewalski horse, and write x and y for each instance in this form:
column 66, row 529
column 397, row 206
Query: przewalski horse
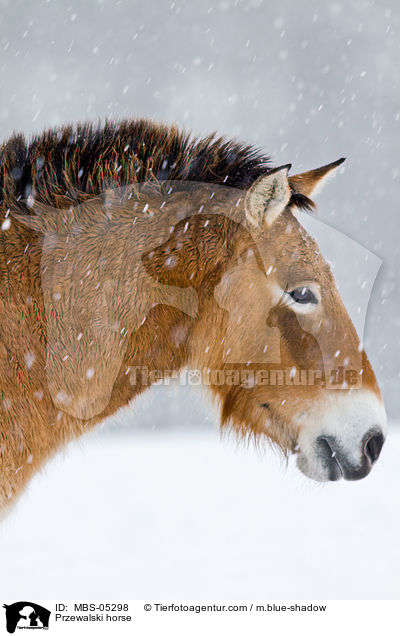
column 132, row 251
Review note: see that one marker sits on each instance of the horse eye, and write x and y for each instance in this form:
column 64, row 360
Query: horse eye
column 303, row 295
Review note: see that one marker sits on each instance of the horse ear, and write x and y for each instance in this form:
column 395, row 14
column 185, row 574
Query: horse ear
column 268, row 197
column 310, row 182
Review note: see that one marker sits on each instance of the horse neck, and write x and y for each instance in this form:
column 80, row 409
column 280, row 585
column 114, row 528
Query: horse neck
column 34, row 426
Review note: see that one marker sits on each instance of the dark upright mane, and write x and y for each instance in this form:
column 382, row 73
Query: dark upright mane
column 85, row 159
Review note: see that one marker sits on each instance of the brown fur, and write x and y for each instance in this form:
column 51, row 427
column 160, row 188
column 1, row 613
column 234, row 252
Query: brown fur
column 73, row 166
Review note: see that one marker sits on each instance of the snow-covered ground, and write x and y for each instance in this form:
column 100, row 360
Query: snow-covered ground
column 182, row 513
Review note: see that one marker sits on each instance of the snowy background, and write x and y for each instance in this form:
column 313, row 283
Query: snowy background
column 179, row 512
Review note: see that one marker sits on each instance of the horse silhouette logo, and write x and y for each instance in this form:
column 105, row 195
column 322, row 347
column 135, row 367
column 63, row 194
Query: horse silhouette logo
column 26, row 615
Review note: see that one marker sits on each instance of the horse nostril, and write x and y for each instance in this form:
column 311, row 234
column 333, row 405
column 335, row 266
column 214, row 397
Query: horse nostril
column 373, row 446
column 265, row 405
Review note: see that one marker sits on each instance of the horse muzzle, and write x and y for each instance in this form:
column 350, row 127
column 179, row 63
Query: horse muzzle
column 337, row 465
column 345, row 443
